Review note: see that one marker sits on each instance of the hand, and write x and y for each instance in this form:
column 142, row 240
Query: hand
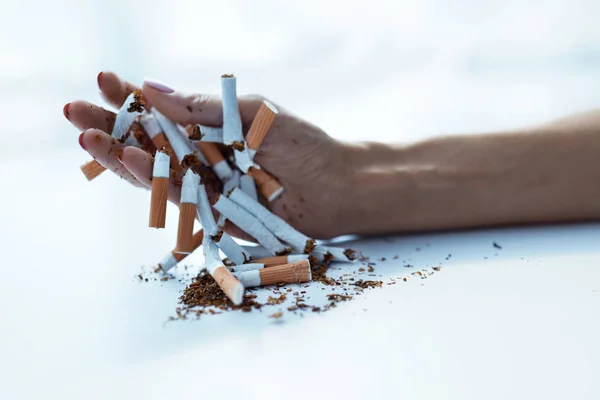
column 311, row 166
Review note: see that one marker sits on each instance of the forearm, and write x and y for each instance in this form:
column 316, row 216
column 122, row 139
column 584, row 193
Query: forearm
column 549, row 173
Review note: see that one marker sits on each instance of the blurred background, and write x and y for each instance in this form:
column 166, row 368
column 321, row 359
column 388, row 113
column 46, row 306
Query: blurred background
column 388, row 70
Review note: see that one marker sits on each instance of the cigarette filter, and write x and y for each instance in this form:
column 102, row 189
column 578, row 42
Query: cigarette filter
column 201, row 133
column 249, row 224
column 280, row 260
column 260, row 126
column 215, row 158
column 160, row 190
column 173, row 258
column 296, row 272
column 232, row 123
column 232, row 288
column 92, row 169
column 187, row 212
column 268, row 186
column 159, row 139
column 248, row 186
column 181, row 146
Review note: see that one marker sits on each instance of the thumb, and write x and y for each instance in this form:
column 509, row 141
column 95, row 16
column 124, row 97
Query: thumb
column 203, row 109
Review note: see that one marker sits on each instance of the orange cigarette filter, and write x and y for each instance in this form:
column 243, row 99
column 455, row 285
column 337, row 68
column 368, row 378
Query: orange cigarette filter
column 260, row 126
column 280, row 260
column 160, row 190
column 296, row 272
column 267, row 184
column 92, row 169
column 232, row 288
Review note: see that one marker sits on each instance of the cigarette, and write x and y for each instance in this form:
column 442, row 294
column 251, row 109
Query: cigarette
column 275, row 224
column 285, row 232
column 248, row 186
column 296, row 272
column 232, row 288
column 201, row 133
column 232, row 123
column 159, row 139
column 173, row 258
column 181, row 147
column 92, row 169
column 247, row 267
column 232, row 249
column 249, row 224
column 256, row 252
column 228, row 186
column 269, row 262
column 160, row 190
column 215, row 158
column 268, row 186
column 187, row 212
column 260, row 126
column 131, row 109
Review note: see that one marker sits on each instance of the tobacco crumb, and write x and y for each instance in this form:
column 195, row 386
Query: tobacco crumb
column 227, row 76
column 189, row 108
column 310, row 245
column 408, row 266
column 368, row 284
column 284, row 252
column 361, row 269
column 137, row 105
column 496, row 245
column 292, row 308
column 164, row 279
column 371, row 269
column 382, row 259
column 191, row 160
column 196, row 134
column 437, row 268
column 395, row 257
column 351, row 254
column 217, row 238
column 239, row 146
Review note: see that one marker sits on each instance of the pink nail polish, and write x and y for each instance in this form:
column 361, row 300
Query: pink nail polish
column 156, row 84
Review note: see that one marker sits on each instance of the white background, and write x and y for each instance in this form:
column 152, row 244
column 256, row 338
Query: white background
column 75, row 323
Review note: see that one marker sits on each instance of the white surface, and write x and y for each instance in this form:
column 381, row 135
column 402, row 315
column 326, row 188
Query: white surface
column 76, row 323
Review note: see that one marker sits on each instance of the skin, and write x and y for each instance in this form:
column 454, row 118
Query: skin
column 542, row 174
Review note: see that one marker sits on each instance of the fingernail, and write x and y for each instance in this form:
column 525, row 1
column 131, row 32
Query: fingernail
column 158, row 85
column 81, row 141
column 66, row 110
column 98, row 78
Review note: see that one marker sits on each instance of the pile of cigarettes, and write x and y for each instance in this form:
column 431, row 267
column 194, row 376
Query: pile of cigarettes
column 194, row 152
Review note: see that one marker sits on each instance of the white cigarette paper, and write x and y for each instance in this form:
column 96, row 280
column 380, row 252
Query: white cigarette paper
column 232, row 249
column 282, row 229
column 248, row 186
column 168, row 262
column 247, row 267
column 213, row 261
column 210, row 134
column 249, row 224
column 223, row 170
column 180, row 145
column 150, row 125
column 124, row 118
column 256, row 252
column 243, row 160
column 228, row 186
column 249, row 278
column 232, row 123
column 161, row 165
column 205, row 215
column 189, row 188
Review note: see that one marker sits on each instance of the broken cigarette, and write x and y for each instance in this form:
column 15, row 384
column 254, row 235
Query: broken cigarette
column 228, row 186
column 248, row 186
column 280, row 260
column 181, row 147
column 131, row 109
column 232, row 123
column 160, row 190
column 187, row 213
column 173, row 258
column 249, row 224
column 260, row 126
column 215, row 158
column 268, row 185
column 296, row 272
column 230, row 247
column 247, row 267
column 201, row 133
column 232, row 288
column 159, row 139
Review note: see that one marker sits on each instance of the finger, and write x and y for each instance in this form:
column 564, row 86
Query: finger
column 105, row 149
column 85, row 115
column 201, row 109
column 140, row 164
column 114, row 89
